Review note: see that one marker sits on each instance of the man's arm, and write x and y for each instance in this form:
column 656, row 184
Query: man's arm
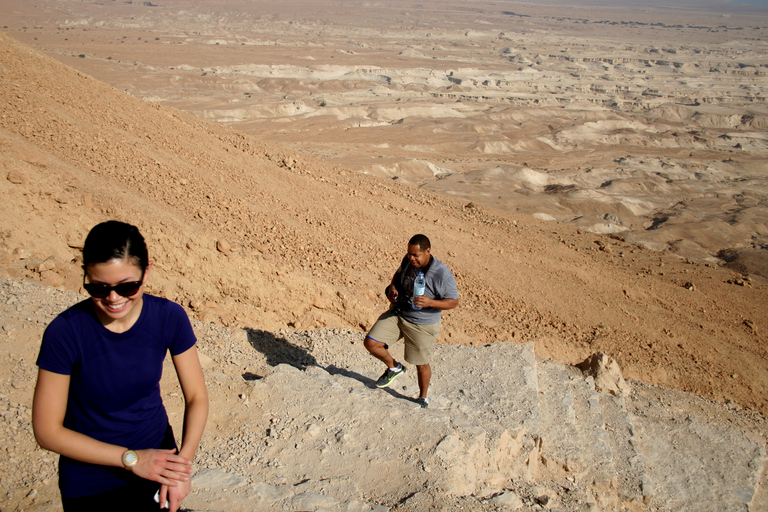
column 445, row 285
column 423, row 301
column 392, row 290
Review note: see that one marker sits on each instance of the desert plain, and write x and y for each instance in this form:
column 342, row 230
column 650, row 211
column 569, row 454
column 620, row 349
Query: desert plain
column 595, row 175
column 644, row 121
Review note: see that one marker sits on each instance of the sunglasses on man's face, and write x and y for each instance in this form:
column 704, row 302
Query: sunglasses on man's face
column 102, row 291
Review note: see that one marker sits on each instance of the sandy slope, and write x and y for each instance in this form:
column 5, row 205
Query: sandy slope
column 642, row 120
column 248, row 234
column 296, row 423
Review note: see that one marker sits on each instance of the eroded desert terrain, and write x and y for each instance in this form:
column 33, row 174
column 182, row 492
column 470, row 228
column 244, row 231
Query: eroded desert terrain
column 316, row 239
column 646, row 122
column 271, row 207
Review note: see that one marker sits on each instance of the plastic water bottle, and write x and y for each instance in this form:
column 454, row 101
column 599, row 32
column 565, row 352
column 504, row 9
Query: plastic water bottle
column 418, row 286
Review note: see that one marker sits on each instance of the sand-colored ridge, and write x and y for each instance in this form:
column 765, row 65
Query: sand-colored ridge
column 111, row 162
column 299, row 227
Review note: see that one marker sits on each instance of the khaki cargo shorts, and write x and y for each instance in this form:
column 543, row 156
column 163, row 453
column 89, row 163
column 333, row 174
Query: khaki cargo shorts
column 419, row 339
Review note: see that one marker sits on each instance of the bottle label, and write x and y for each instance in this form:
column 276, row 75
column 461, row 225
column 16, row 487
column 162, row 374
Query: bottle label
column 419, row 285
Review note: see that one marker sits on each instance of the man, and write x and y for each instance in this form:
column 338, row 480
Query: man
column 415, row 319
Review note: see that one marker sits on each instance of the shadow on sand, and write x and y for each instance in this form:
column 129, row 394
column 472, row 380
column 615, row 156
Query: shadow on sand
column 278, row 350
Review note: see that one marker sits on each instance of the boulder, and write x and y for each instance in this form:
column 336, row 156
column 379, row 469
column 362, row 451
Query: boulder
column 606, row 373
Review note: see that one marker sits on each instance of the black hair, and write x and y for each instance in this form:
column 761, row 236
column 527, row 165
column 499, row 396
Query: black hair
column 421, row 240
column 114, row 240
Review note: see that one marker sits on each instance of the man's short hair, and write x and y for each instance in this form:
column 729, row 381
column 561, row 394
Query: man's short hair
column 421, row 240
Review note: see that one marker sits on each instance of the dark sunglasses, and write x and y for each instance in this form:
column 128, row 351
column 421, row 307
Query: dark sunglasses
column 102, row 291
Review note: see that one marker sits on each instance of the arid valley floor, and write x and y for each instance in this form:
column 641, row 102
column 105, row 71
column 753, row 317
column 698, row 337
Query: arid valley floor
column 595, row 176
column 647, row 122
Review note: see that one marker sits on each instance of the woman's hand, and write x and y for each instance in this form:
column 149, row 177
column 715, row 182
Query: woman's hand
column 163, row 466
column 175, row 495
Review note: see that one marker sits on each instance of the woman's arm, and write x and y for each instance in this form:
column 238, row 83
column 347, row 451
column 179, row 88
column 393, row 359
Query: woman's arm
column 195, row 398
column 48, row 409
column 192, row 382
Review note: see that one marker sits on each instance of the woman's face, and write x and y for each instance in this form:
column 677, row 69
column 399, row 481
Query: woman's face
column 116, row 310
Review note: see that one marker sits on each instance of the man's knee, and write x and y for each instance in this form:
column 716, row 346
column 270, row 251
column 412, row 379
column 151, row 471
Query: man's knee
column 370, row 343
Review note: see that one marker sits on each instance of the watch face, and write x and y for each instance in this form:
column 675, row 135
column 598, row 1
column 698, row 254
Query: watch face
column 130, row 458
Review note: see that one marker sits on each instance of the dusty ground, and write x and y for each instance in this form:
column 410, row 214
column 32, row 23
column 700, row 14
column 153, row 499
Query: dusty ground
column 296, row 423
column 247, row 233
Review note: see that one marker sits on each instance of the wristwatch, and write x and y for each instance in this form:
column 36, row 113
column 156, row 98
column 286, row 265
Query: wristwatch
column 130, row 458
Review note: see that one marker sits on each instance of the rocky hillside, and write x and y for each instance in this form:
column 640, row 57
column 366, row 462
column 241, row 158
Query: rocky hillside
column 296, row 423
column 247, row 234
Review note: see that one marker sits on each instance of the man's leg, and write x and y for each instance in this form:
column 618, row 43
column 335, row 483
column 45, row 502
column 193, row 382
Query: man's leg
column 424, row 372
column 379, row 351
column 419, row 343
column 386, row 328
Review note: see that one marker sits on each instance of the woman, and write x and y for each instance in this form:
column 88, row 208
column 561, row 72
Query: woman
column 97, row 401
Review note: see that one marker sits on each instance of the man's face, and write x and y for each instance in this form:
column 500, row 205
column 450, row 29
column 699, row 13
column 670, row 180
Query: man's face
column 418, row 258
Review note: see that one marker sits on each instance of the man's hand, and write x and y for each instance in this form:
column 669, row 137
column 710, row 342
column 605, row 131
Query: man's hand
column 423, row 301
column 392, row 294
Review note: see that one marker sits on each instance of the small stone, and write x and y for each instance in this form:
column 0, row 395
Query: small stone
column 606, row 373
column 48, row 264
column 16, row 178
column 223, row 246
column 21, row 253
column 75, row 241
column 509, row 499
column 314, row 430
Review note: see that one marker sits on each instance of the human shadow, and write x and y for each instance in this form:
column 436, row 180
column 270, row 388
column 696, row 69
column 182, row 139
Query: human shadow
column 367, row 381
column 278, row 350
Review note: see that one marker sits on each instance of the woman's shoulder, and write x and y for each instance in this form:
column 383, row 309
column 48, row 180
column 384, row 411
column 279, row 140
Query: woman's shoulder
column 82, row 309
column 69, row 323
column 169, row 318
column 163, row 306
column 158, row 301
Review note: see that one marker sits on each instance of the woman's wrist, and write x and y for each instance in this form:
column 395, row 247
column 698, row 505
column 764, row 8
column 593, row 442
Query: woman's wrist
column 129, row 459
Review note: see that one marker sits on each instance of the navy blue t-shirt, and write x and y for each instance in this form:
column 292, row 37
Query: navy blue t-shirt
column 114, row 390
